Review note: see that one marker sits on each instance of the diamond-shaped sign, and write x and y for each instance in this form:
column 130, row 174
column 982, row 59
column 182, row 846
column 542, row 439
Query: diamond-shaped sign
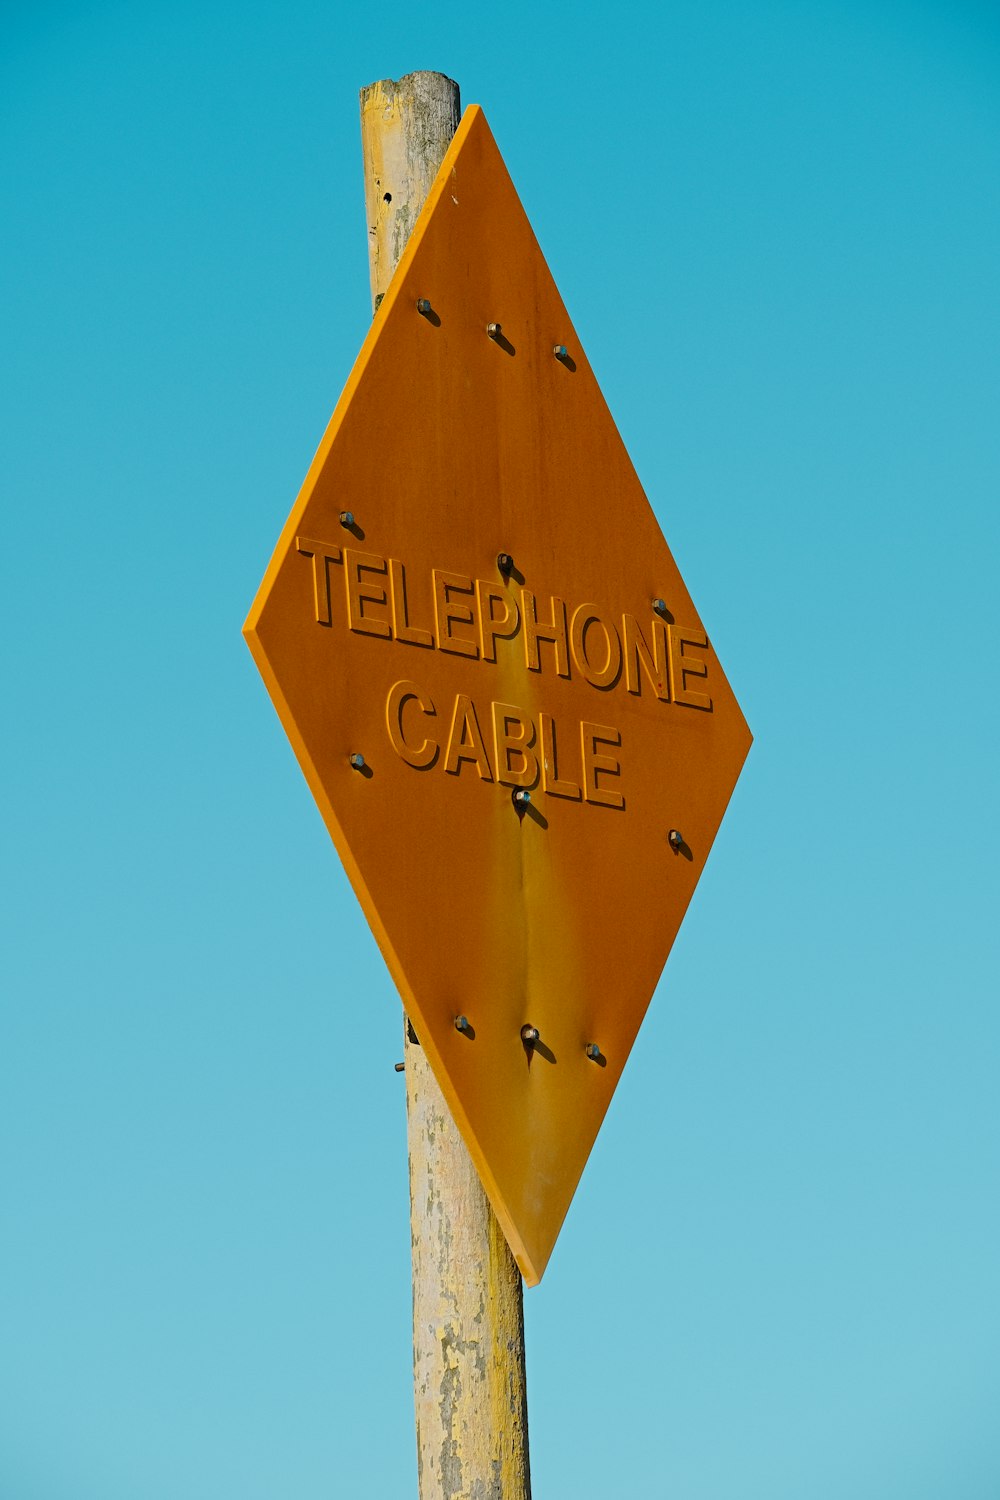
column 471, row 601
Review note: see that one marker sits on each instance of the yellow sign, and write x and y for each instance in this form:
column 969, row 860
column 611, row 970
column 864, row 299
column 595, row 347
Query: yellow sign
column 502, row 697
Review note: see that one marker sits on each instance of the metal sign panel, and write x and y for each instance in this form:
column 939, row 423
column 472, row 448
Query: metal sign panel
column 472, row 601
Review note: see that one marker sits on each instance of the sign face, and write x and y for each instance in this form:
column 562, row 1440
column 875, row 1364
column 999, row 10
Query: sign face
column 472, row 600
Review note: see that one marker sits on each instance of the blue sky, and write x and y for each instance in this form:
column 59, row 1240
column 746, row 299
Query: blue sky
column 777, row 230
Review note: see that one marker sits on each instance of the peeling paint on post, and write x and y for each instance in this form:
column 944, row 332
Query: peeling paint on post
column 406, row 128
column 468, row 1323
column 468, row 1320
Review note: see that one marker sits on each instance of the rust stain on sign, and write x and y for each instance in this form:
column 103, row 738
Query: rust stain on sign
column 501, row 694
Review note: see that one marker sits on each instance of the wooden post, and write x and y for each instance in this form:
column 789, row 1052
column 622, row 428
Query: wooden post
column 468, row 1318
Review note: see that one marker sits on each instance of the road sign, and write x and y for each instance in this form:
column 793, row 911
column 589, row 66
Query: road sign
column 499, row 690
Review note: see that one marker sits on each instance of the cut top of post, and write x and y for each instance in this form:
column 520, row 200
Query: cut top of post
column 406, row 127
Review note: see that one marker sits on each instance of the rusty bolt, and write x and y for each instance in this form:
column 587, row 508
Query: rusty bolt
column 493, row 330
column 529, row 1035
column 674, row 839
column 505, row 563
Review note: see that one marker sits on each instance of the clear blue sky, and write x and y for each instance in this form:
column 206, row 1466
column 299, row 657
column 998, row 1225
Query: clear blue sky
column 777, row 228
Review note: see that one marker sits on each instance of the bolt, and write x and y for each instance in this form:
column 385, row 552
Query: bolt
column 593, row 1051
column 560, row 351
column 358, row 761
column 493, row 330
column 660, row 606
column 399, row 1067
column 529, row 1035
column 461, row 1023
column 505, row 563
column 521, row 797
column 674, row 839
column 423, row 306
column 347, row 518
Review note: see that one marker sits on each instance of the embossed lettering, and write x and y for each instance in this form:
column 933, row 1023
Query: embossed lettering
column 359, row 593
column 552, row 631
column 597, row 651
column 510, row 746
column 448, row 613
column 683, row 666
column 551, row 781
column 653, row 663
column 491, row 625
column 465, row 742
column 418, row 753
column 596, row 763
column 516, row 760
column 322, row 555
column 518, row 748
column 414, row 635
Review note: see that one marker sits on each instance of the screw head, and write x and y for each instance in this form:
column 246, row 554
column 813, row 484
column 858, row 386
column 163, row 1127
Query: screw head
column 529, row 1035
column 461, row 1023
column 505, row 563
column 358, row 761
column 521, row 797
column 423, row 306
column 674, row 838
column 660, row 606
column 593, row 1051
column 347, row 518
column 493, row 330
column 560, row 351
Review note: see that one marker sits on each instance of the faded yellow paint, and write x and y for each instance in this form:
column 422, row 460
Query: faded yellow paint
column 399, row 123
column 451, row 446
column 468, row 1325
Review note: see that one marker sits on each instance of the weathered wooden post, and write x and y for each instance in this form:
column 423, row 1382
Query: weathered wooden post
column 468, row 1321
